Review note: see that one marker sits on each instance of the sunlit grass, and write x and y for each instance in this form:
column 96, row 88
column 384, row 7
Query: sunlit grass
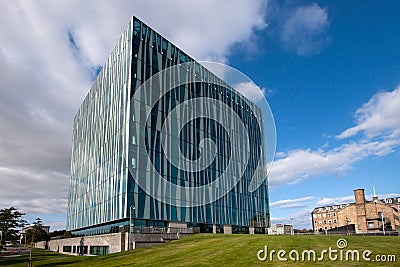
column 224, row 250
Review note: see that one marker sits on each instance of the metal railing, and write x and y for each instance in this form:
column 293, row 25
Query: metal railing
column 387, row 233
column 158, row 230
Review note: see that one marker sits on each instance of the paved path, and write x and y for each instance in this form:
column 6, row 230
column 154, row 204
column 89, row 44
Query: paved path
column 13, row 252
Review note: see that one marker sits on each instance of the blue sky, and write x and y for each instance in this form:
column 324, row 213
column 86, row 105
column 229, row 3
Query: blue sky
column 330, row 70
column 315, row 96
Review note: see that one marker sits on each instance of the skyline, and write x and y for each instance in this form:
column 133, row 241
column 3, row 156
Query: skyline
column 341, row 126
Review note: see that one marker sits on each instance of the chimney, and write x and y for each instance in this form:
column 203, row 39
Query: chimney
column 359, row 196
column 361, row 212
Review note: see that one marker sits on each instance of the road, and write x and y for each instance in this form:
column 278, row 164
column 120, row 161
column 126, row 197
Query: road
column 13, row 252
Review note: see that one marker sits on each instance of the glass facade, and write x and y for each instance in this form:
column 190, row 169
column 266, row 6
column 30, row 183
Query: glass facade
column 99, row 250
column 149, row 96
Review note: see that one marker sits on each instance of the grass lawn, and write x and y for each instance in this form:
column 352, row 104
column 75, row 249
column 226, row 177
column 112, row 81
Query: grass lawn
column 227, row 250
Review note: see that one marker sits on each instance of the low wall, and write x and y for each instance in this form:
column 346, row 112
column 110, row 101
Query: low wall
column 41, row 244
column 115, row 242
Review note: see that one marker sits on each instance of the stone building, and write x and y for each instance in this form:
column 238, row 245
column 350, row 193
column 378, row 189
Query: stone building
column 280, row 229
column 393, row 202
column 46, row 228
column 365, row 216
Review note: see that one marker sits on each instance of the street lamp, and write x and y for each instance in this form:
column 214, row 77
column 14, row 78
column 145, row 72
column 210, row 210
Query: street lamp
column 291, row 224
column 21, row 236
column 383, row 223
column 130, row 226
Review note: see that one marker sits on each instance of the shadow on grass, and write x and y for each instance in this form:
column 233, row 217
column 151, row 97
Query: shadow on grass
column 55, row 263
column 41, row 258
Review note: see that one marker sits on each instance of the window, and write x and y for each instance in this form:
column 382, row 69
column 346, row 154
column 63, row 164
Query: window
column 98, row 250
column 82, row 250
column 136, row 28
column 164, row 46
column 334, row 221
column 324, row 215
column 182, row 57
column 334, row 214
column 324, row 221
column 371, row 225
column 133, row 163
column 144, row 31
column 67, row 249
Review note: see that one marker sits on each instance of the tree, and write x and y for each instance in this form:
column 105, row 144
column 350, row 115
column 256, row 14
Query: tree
column 37, row 233
column 57, row 233
column 61, row 233
column 38, row 222
column 10, row 220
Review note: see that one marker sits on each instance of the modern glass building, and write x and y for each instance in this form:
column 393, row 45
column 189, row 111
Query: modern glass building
column 159, row 139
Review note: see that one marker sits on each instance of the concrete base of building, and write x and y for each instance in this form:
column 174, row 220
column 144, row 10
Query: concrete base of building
column 122, row 241
column 117, row 242
column 227, row 229
column 214, row 229
column 179, row 225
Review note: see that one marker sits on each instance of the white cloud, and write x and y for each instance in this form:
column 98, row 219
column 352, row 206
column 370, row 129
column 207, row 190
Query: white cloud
column 301, row 213
column 56, row 225
column 304, row 29
column 45, row 76
column 301, row 219
column 295, row 165
column 292, row 203
column 305, row 163
column 327, row 201
column 380, row 115
column 205, row 29
column 298, row 208
column 32, row 191
column 251, row 91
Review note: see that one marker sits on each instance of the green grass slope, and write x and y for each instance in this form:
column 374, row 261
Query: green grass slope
column 229, row 250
